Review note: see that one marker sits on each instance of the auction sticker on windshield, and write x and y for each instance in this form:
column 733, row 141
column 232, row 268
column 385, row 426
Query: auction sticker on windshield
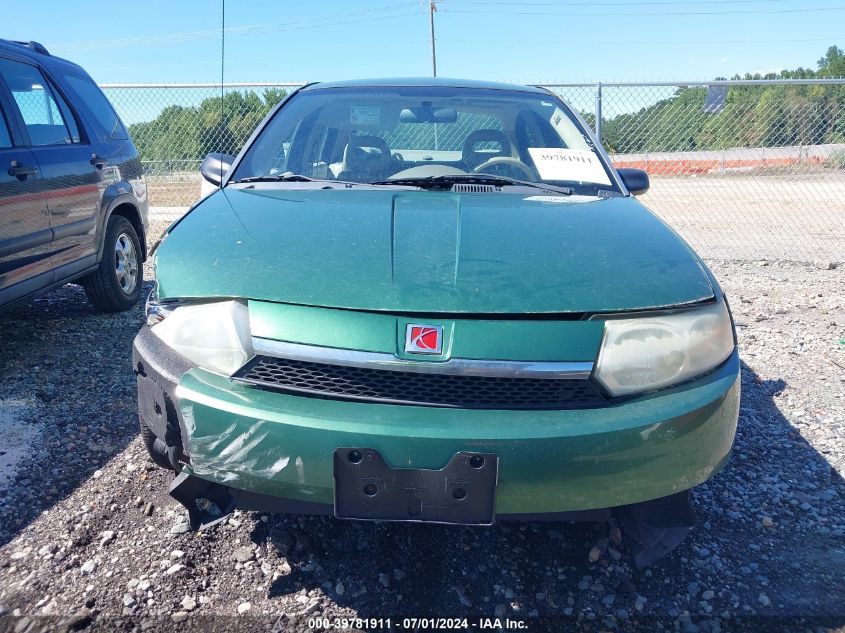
column 365, row 115
column 555, row 163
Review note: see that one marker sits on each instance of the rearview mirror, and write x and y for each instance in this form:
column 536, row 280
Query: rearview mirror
column 427, row 114
column 635, row 180
column 215, row 166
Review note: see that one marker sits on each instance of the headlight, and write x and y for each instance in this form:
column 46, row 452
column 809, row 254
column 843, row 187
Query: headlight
column 215, row 336
column 650, row 352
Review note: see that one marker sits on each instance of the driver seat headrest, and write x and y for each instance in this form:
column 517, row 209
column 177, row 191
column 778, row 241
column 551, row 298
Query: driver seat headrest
column 366, row 154
column 473, row 156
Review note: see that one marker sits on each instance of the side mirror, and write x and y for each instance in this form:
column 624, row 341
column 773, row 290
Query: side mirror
column 215, row 166
column 636, row 180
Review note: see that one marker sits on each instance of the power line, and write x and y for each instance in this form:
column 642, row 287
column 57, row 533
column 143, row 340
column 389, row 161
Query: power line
column 566, row 3
column 829, row 38
column 641, row 13
column 247, row 29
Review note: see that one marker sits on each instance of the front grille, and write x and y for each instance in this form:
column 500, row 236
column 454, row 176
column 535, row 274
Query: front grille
column 403, row 387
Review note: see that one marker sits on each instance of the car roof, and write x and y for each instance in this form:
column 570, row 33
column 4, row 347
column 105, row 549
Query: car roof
column 37, row 52
column 422, row 82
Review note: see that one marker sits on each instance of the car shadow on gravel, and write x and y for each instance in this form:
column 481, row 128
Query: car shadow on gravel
column 768, row 548
column 72, row 366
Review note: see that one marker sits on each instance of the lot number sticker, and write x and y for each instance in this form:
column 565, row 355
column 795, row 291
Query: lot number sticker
column 554, row 163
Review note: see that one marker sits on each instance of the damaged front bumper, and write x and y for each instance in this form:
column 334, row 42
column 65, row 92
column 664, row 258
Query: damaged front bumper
column 275, row 451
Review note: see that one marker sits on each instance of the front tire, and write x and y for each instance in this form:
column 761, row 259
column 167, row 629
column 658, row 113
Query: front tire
column 116, row 284
column 156, row 449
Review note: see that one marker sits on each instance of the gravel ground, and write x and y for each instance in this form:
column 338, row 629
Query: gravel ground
column 88, row 534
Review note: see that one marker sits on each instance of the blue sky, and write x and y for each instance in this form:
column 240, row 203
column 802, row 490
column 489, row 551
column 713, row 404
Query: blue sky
column 532, row 41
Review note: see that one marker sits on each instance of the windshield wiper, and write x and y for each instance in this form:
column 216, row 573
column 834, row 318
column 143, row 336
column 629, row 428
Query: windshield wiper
column 473, row 179
column 285, row 177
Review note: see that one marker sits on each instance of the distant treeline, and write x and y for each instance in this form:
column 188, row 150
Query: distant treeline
column 752, row 116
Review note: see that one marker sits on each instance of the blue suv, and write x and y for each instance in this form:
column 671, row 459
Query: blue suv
column 73, row 201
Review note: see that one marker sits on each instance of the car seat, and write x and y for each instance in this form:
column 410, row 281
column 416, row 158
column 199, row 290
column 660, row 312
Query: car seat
column 365, row 159
column 472, row 156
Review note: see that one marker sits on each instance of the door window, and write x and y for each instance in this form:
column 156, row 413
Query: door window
column 39, row 105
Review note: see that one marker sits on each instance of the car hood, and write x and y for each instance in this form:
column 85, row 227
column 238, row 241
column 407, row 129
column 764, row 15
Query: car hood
column 429, row 252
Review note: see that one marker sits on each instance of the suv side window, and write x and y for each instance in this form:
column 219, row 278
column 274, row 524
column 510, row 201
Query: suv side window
column 92, row 97
column 38, row 105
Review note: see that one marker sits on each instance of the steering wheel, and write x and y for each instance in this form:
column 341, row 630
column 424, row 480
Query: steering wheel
column 509, row 163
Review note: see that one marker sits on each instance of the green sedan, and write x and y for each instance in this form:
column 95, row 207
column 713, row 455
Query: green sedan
column 435, row 301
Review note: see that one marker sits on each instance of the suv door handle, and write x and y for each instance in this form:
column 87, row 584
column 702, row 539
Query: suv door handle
column 21, row 171
column 99, row 162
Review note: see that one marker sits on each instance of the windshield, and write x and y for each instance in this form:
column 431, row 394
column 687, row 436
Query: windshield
column 409, row 134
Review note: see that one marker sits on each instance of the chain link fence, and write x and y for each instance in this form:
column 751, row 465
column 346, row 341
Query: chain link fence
column 741, row 169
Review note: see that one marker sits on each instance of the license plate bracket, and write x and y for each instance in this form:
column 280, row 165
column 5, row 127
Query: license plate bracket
column 462, row 492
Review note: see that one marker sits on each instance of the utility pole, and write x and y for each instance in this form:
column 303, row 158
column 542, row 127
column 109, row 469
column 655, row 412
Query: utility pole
column 432, row 7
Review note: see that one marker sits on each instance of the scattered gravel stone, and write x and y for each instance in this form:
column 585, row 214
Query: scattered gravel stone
column 188, row 603
column 88, row 567
column 179, row 616
column 244, row 554
column 46, row 550
column 180, row 526
column 462, row 597
column 79, row 620
column 767, row 522
column 106, row 537
column 244, row 607
column 175, row 569
column 281, row 540
column 594, row 554
column 312, row 607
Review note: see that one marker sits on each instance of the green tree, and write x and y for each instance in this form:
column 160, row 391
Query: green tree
column 179, row 134
column 833, row 63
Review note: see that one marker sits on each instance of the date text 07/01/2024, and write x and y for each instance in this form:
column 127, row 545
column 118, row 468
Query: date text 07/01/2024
column 417, row 624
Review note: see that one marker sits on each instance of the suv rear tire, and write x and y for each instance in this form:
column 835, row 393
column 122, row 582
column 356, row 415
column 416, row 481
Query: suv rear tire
column 116, row 284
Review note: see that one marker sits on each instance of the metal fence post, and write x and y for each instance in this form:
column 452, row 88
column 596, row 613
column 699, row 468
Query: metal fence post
column 597, row 125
